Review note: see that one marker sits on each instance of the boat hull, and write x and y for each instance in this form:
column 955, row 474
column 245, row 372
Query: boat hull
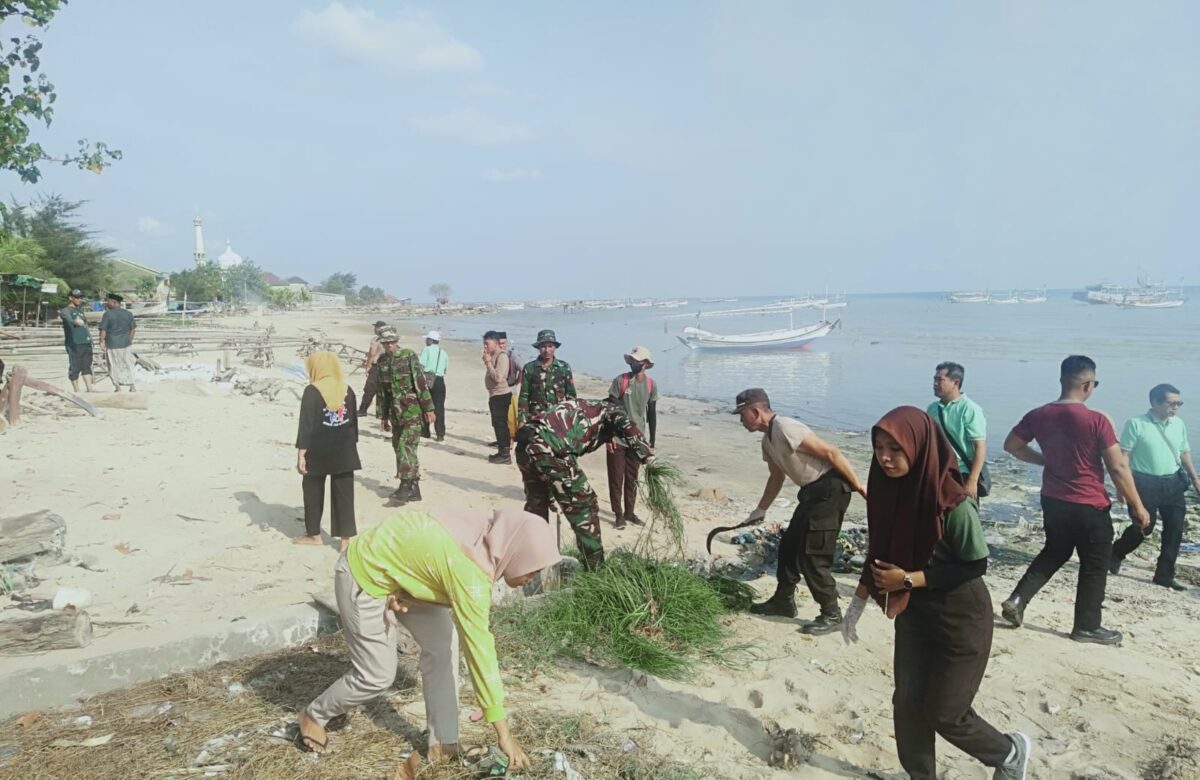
column 792, row 338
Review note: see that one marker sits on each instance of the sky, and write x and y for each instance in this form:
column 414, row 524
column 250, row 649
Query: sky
column 544, row 149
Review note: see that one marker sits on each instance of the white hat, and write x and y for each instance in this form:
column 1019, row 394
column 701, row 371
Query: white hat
column 433, row 335
column 639, row 355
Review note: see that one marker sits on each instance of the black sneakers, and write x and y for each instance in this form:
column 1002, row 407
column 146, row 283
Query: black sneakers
column 1098, row 636
column 824, row 624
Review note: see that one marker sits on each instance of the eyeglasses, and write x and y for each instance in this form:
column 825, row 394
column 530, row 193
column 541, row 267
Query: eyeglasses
column 1174, row 404
column 1093, row 382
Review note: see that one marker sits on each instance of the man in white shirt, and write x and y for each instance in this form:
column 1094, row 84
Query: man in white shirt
column 826, row 480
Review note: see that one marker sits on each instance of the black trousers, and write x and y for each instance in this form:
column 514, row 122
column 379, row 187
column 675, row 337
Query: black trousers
column 623, row 467
column 437, row 391
column 79, row 360
column 370, row 390
column 1073, row 528
column 498, row 407
column 943, row 640
column 809, row 543
column 341, row 501
column 1165, row 497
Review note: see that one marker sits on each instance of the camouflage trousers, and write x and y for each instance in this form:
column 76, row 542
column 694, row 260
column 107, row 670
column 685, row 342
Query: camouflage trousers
column 405, row 438
column 547, row 475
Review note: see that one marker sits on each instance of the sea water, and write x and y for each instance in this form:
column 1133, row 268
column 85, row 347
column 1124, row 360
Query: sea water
column 884, row 353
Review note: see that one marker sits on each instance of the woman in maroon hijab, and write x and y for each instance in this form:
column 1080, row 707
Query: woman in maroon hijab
column 925, row 569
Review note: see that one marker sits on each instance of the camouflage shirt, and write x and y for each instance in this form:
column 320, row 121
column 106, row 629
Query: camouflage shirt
column 542, row 387
column 576, row 427
column 403, row 394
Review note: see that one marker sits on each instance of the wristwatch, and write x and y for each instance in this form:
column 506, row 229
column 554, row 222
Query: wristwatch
column 908, row 583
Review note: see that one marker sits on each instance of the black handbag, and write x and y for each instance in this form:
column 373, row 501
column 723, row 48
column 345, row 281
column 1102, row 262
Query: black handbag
column 985, row 476
column 1185, row 480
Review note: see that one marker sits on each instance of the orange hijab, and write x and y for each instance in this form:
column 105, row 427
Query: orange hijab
column 325, row 374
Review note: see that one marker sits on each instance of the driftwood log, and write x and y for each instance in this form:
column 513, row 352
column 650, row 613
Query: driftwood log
column 37, row 533
column 47, row 631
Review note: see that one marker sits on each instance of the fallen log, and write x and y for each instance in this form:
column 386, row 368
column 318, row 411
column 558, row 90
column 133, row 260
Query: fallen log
column 46, row 387
column 49, row 631
column 36, row 533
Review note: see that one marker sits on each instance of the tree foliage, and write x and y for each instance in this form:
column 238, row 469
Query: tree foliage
column 245, row 283
column 27, row 96
column 69, row 251
column 202, row 283
column 340, row 283
column 371, row 295
column 441, row 292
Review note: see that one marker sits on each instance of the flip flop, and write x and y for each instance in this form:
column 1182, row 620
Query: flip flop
column 303, row 742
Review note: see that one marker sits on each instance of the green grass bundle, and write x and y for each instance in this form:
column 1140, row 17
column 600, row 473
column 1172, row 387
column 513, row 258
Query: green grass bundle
column 659, row 480
column 654, row 616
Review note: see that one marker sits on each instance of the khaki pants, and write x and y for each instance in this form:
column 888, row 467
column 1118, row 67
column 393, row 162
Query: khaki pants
column 371, row 644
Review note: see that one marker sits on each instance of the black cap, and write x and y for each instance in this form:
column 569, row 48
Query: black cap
column 750, row 397
column 491, row 334
column 76, row 293
column 501, row 334
column 114, row 297
column 380, row 323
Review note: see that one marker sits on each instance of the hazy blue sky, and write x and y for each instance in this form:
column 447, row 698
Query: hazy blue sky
column 551, row 149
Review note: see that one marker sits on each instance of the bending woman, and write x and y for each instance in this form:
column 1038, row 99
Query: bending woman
column 433, row 572
column 925, row 567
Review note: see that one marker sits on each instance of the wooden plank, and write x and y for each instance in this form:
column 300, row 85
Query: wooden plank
column 47, row 631
column 36, row 533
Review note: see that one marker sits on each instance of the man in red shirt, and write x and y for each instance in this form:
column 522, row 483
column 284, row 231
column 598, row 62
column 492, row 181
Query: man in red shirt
column 1076, row 444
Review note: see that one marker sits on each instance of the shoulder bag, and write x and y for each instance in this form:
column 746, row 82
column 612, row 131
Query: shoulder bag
column 1185, row 481
column 985, row 476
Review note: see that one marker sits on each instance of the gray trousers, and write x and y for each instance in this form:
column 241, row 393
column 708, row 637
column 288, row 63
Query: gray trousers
column 371, row 645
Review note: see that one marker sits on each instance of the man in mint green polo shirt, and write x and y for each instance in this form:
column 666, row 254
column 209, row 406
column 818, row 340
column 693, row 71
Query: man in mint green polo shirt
column 1156, row 444
column 963, row 422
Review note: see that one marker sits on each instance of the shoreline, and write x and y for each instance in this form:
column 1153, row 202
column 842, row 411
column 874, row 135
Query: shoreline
column 226, row 460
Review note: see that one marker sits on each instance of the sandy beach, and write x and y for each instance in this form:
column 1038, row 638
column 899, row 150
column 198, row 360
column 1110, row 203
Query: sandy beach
column 183, row 514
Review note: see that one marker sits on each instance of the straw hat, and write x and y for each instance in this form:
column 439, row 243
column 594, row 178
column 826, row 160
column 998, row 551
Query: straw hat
column 639, row 355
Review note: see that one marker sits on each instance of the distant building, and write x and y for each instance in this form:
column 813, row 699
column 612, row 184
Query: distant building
column 128, row 277
column 229, row 258
column 324, row 300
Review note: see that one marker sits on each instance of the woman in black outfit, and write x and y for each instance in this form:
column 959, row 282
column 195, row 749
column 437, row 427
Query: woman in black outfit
column 327, row 445
column 925, row 568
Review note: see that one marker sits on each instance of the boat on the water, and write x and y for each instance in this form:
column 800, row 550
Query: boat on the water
column 511, row 306
column 1034, row 296
column 1011, row 298
column 791, row 337
column 1164, row 303
column 973, row 296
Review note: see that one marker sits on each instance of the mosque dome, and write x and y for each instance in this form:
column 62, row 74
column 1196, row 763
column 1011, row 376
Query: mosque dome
column 229, row 258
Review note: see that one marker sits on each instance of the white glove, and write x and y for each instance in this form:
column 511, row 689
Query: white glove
column 757, row 516
column 850, row 620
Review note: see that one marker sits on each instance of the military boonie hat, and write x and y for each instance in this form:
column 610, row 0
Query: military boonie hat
column 76, row 293
column 388, row 336
column 114, row 297
column 546, row 337
column 750, row 397
column 639, row 355
column 380, row 324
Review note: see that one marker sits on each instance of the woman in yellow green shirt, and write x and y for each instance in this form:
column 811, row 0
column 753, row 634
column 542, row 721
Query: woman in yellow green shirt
column 433, row 573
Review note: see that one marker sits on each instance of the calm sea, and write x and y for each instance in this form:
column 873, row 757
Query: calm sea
column 885, row 353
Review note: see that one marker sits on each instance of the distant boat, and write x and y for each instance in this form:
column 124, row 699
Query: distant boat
column 511, row 306
column 1145, row 303
column 968, row 297
column 718, row 300
column 1008, row 299
column 1034, row 296
column 673, row 304
column 791, row 337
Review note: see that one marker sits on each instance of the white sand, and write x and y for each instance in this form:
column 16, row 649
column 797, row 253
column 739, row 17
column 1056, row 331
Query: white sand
column 228, row 462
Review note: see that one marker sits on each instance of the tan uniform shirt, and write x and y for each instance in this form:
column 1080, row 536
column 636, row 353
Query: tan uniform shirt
column 495, row 375
column 779, row 445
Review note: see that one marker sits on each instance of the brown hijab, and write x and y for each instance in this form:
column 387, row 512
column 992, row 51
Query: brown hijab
column 505, row 543
column 904, row 514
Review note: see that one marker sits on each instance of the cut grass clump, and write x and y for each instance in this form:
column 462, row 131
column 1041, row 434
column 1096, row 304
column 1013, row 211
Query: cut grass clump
column 654, row 616
column 657, row 487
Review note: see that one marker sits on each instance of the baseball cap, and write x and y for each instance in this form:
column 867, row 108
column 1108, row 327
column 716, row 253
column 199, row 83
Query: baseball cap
column 76, row 293
column 749, row 397
column 433, row 335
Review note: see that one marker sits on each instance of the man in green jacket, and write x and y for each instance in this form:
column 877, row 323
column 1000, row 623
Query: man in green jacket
column 78, row 340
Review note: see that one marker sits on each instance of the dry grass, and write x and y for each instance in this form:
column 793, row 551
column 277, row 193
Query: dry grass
column 250, row 733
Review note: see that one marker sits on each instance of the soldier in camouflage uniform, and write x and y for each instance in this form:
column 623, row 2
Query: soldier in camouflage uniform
column 545, row 381
column 404, row 400
column 548, row 448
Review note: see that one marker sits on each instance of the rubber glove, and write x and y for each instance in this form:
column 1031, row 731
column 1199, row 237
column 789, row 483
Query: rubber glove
column 757, row 516
column 850, row 620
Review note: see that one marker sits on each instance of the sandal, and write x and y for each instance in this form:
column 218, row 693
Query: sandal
column 309, row 744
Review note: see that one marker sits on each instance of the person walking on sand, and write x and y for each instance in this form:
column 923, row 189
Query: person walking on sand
column 1156, row 444
column 404, row 401
column 495, row 381
column 638, row 395
column 549, row 446
column 826, row 480
column 327, row 446
column 545, row 381
column 371, row 367
column 432, row 573
column 925, row 566
column 963, row 422
column 1076, row 443
column 117, row 328
column 78, row 340
column 434, row 361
